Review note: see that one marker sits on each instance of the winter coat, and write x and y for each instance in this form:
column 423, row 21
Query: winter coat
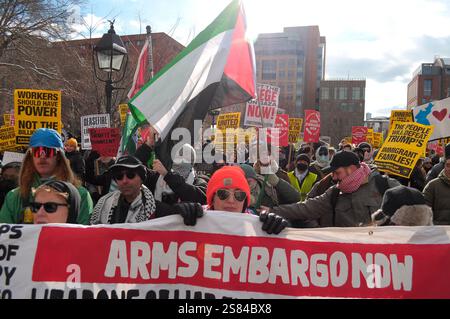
column 103, row 180
column 281, row 194
column 14, row 208
column 352, row 210
column 183, row 192
column 437, row 196
column 434, row 172
column 76, row 163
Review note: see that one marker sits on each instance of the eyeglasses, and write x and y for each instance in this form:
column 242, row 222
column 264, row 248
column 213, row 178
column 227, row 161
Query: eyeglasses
column 40, row 151
column 223, row 194
column 366, row 150
column 118, row 176
column 48, row 207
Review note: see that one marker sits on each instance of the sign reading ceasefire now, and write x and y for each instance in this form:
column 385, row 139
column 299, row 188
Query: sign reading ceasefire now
column 34, row 109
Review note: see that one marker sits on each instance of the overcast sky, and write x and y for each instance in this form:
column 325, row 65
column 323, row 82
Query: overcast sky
column 383, row 41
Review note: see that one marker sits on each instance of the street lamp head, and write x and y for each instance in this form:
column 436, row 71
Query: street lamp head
column 110, row 51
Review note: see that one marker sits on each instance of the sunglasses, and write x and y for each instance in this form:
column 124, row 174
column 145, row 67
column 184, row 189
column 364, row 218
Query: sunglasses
column 223, row 194
column 48, row 207
column 40, row 151
column 118, row 176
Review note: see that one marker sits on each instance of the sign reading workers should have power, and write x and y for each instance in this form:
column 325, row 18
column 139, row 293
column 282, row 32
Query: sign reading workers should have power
column 34, row 109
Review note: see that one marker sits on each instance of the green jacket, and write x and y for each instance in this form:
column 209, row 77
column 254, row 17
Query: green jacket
column 13, row 209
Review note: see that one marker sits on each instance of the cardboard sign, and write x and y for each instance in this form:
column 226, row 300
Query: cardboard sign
column 369, row 137
column 359, row 134
column 228, row 120
column 405, row 144
column 34, row 109
column 7, row 138
column 279, row 137
column 400, row 116
column 377, row 139
column 312, row 126
column 268, row 97
column 223, row 256
column 436, row 114
column 123, row 109
column 92, row 121
column 295, row 128
column 9, row 157
column 6, row 119
column 105, row 141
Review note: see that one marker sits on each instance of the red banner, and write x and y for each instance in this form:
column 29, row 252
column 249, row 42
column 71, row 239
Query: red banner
column 359, row 134
column 105, row 141
column 281, row 136
column 312, row 126
column 234, row 263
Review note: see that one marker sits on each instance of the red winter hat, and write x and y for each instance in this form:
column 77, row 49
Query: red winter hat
column 227, row 177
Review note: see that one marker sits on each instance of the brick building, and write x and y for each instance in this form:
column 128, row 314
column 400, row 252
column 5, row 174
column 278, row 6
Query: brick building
column 293, row 60
column 341, row 105
column 431, row 82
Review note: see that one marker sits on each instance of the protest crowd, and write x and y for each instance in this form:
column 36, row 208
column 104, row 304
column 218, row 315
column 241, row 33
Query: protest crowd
column 106, row 180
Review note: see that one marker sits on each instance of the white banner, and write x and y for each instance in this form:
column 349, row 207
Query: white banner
column 436, row 114
column 92, row 121
column 9, row 157
column 224, row 255
column 268, row 97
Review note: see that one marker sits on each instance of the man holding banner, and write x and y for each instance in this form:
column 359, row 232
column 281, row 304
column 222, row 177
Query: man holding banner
column 350, row 203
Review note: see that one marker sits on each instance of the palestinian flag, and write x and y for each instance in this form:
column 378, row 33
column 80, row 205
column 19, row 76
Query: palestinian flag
column 216, row 69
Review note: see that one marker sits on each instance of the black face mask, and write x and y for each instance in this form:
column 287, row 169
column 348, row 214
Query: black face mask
column 302, row 167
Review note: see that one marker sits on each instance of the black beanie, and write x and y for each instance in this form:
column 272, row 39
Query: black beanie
column 399, row 196
column 344, row 159
column 73, row 200
column 303, row 157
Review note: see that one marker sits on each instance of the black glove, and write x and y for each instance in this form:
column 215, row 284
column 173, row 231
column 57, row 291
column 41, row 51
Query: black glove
column 272, row 223
column 190, row 212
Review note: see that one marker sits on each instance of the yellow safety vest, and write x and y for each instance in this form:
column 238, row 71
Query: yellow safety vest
column 308, row 183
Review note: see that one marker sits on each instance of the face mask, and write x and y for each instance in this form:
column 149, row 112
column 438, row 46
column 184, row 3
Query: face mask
column 302, row 167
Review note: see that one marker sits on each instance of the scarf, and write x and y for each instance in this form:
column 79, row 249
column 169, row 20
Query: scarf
column 143, row 208
column 353, row 182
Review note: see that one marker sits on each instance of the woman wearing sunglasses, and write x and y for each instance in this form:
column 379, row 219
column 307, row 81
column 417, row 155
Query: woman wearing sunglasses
column 44, row 161
column 228, row 191
column 55, row 202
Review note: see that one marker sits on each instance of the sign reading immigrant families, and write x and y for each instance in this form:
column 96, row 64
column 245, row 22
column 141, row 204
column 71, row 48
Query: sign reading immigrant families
column 34, row 109
column 92, row 121
column 268, row 98
column 403, row 147
column 105, row 141
column 312, row 126
column 225, row 255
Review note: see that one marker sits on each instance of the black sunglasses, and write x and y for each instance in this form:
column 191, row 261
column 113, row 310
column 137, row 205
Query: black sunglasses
column 223, row 194
column 118, row 176
column 48, row 207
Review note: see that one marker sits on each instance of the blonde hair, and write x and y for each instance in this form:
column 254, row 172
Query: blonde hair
column 62, row 172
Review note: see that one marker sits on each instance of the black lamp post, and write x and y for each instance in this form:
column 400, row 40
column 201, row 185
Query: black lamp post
column 108, row 56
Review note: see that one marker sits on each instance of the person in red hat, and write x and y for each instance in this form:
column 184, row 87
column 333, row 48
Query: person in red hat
column 228, row 190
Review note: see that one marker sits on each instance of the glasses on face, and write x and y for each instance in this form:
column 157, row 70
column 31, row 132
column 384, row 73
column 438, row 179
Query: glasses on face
column 366, row 150
column 49, row 207
column 118, row 176
column 223, row 194
column 46, row 152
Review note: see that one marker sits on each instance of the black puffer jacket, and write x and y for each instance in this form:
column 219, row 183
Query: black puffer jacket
column 76, row 163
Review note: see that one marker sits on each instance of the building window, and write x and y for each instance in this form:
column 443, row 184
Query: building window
column 291, row 63
column 281, row 74
column 356, row 93
column 342, row 93
column 269, row 69
column 325, row 93
column 282, row 64
column 290, row 88
column 427, row 85
column 291, row 75
column 139, row 43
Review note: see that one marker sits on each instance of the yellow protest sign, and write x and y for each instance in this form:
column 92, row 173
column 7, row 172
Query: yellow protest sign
column 34, row 109
column 377, row 140
column 403, row 147
column 400, row 116
column 123, row 109
column 295, row 127
column 369, row 136
column 7, row 119
column 228, row 120
column 7, row 138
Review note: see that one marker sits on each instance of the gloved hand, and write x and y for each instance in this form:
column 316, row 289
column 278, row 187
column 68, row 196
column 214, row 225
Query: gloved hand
column 272, row 223
column 190, row 212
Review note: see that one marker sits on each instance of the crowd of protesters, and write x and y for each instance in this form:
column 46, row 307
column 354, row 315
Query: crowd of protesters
column 312, row 186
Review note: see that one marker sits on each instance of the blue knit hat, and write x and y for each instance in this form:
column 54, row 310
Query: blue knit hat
column 46, row 137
